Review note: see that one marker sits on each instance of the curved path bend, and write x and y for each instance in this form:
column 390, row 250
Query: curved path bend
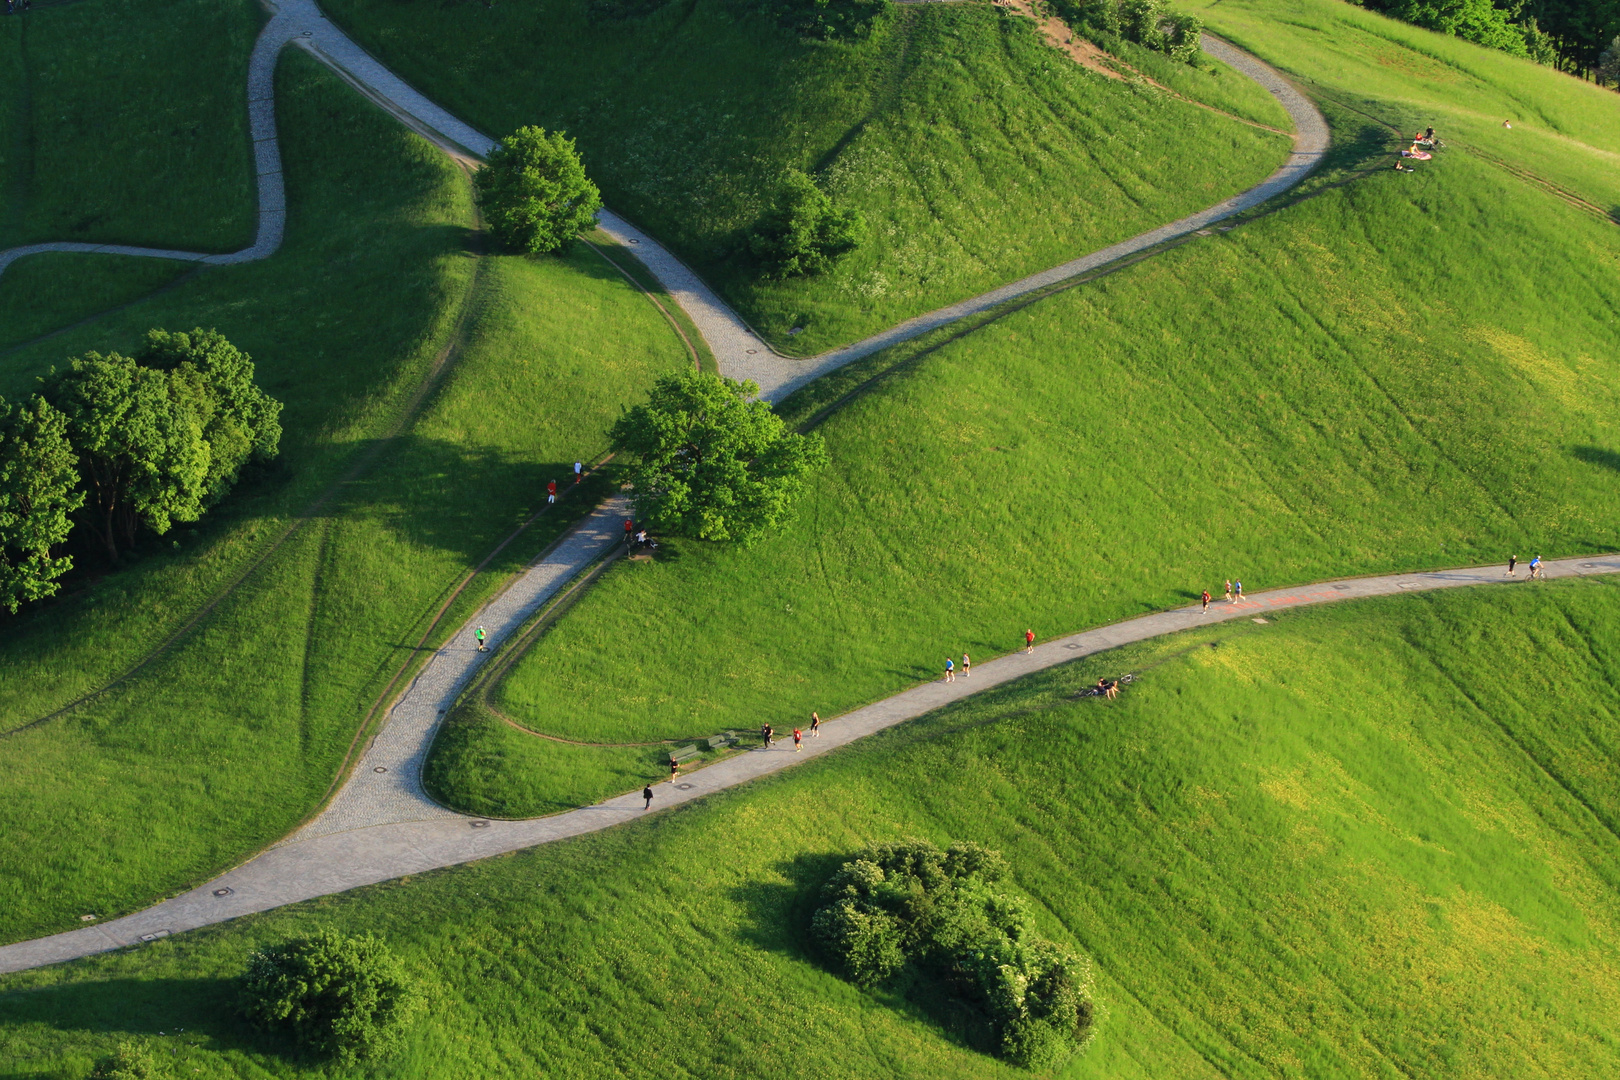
column 318, row 862
column 381, row 824
column 739, row 351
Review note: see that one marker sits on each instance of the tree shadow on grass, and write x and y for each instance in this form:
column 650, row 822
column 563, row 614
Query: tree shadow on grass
column 1596, row 455
column 776, row 918
column 170, row 1013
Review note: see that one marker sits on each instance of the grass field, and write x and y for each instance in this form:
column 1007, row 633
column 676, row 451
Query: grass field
column 46, row 293
column 977, row 153
column 1403, row 372
column 225, row 742
column 115, row 127
column 1375, row 839
column 1565, row 130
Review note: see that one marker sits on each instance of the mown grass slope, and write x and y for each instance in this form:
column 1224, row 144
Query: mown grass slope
column 1375, row 839
column 396, row 482
column 116, row 127
column 977, row 153
column 1404, row 371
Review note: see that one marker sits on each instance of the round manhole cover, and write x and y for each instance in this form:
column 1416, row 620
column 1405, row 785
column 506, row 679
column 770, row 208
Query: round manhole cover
column 480, row 824
column 379, row 769
column 684, row 787
column 633, row 240
column 226, row 891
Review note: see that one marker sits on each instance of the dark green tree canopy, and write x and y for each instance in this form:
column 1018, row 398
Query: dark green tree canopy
column 338, row 997
column 804, row 233
column 948, row 913
column 534, row 193
column 710, row 463
column 161, row 438
column 38, row 494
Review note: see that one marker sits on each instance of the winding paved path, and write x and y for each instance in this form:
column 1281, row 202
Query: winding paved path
column 381, row 824
column 318, row 863
column 739, row 351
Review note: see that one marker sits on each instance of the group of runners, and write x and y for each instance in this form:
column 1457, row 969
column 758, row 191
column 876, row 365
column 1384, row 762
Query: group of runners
column 1234, row 593
column 637, row 537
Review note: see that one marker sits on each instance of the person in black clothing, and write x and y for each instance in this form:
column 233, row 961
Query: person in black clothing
column 1513, row 561
column 674, row 769
column 646, row 793
column 770, row 735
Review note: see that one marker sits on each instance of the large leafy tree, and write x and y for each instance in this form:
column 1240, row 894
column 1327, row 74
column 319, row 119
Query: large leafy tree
column 534, row 193
column 240, row 422
column 37, row 497
column 139, row 436
column 710, row 462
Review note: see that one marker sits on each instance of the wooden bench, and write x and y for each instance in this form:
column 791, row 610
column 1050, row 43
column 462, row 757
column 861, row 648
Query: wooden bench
column 684, row 752
column 728, row 738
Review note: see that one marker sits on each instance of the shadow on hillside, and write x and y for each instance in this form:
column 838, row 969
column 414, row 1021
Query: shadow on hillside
column 442, row 495
column 1596, row 455
column 189, row 1013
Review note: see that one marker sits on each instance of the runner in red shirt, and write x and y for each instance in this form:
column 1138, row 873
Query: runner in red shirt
column 1029, row 641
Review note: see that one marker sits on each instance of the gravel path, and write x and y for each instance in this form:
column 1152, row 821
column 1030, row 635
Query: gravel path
column 319, row 862
column 381, row 824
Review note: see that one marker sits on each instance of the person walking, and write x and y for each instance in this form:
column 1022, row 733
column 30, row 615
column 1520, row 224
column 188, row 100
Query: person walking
column 479, row 634
column 967, row 666
column 629, row 531
column 1029, row 641
column 1229, row 592
column 950, row 670
column 579, row 471
column 798, row 740
column 551, row 493
column 765, row 735
column 646, row 793
column 1513, row 561
column 1206, row 602
column 815, row 726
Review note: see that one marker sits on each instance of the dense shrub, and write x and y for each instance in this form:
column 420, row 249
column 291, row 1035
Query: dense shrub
column 38, row 494
column 338, row 997
column 534, row 194
column 826, row 20
column 132, row 1060
column 1484, row 22
column 1149, row 23
column 804, row 233
column 913, row 903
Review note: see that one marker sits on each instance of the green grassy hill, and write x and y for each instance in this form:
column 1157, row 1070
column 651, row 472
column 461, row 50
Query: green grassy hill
column 224, row 742
column 1400, row 371
column 977, row 153
column 1375, row 839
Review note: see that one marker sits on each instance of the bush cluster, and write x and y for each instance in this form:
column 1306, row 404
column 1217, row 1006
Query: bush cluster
column 826, row 20
column 1484, row 22
column 1149, row 23
column 804, row 233
column 114, row 444
column 132, row 1060
column 911, row 903
column 338, row 997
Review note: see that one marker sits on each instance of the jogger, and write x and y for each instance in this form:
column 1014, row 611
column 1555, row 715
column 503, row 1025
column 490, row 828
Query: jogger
column 815, row 726
column 798, row 740
column 479, row 634
column 1206, row 602
column 967, row 666
column 950, row 670
column 1029, row 641
column 1513, row 560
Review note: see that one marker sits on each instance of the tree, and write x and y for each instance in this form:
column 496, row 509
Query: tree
column 338, row 997
column 139, row 438
column 534, row 193
column 804, row 233
column 242, row 423
column 1607, row 71
column 710, row 463
column 38, row 484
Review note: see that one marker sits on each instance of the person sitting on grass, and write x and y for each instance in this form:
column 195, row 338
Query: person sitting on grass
column 1113, row 689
